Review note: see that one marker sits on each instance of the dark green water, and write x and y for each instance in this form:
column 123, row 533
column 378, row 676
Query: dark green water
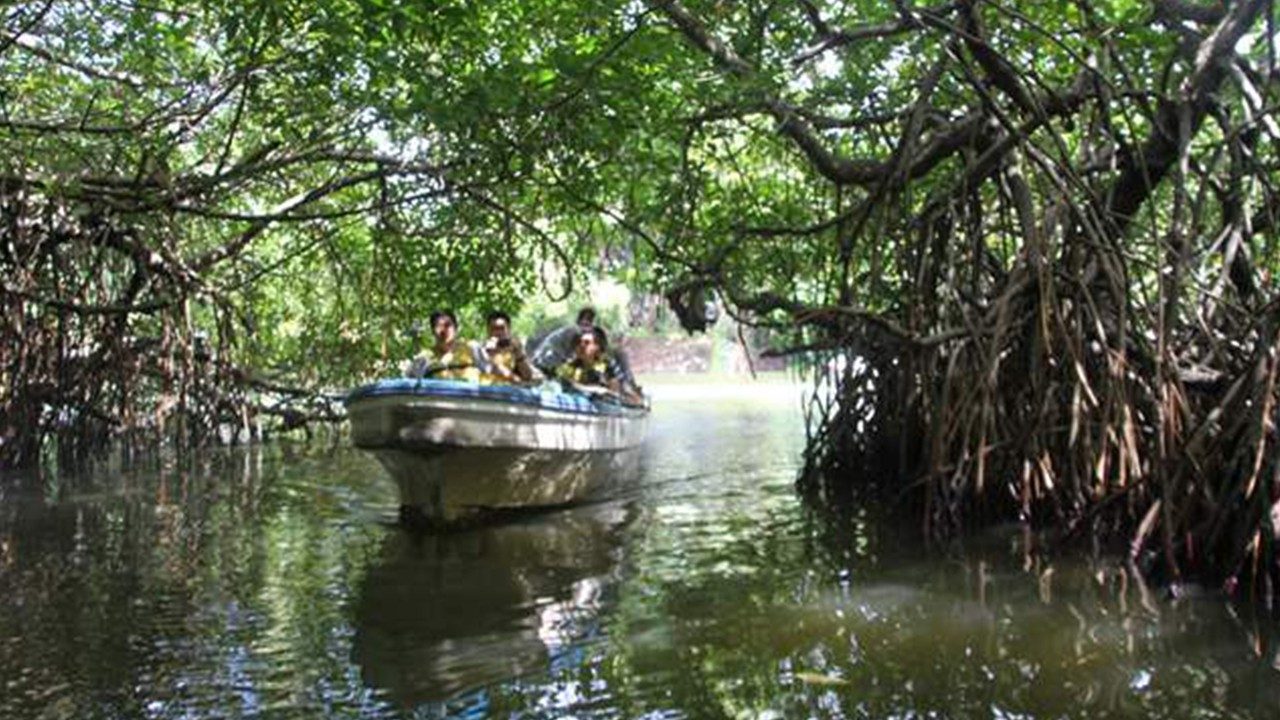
column 270, row 584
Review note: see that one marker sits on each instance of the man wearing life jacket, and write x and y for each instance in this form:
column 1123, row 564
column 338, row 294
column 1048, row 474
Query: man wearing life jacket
column 450, row 357
column 590, row 368
column 615, row 358
column 505, row 354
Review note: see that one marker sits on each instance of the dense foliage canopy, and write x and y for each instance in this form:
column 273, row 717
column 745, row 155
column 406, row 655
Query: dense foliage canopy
column 1045, row 231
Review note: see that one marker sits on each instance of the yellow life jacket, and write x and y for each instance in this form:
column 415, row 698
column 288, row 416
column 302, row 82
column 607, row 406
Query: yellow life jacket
column 506, row 358
column 457, row 363
column 580, row 373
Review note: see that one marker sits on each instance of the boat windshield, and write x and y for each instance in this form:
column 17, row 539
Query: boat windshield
column 554, row 349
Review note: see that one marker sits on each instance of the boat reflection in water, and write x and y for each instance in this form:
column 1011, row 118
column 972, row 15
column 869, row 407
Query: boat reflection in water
column 444, row 613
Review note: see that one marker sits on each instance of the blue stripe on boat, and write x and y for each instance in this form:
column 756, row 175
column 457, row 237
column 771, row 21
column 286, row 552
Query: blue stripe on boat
column 555, row 400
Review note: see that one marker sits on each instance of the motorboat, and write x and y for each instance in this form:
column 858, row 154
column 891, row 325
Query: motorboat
column 458, row 448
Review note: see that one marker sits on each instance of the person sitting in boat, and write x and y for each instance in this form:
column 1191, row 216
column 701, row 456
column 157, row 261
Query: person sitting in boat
column 615, row 358
column 552, row 349
column 590, row 367
column 450, row 357
column 507, row 361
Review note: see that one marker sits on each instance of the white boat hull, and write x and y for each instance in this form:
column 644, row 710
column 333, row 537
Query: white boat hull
column 455, row 484
column 456, row 449
column 431, row 423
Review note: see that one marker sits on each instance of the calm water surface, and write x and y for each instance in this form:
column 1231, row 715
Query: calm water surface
column 271, row 584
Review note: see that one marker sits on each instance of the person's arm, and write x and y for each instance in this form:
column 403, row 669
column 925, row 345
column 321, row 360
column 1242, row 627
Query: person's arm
column 614, row 368
column 620, row 380
column 523, row 369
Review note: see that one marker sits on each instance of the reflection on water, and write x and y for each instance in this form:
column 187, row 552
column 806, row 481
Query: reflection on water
column 270, row 583
column 439, row 614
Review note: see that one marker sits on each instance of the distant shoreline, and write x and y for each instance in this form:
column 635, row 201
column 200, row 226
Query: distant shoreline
column 771, row 386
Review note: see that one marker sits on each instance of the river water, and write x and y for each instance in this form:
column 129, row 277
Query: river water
column 272, row 583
